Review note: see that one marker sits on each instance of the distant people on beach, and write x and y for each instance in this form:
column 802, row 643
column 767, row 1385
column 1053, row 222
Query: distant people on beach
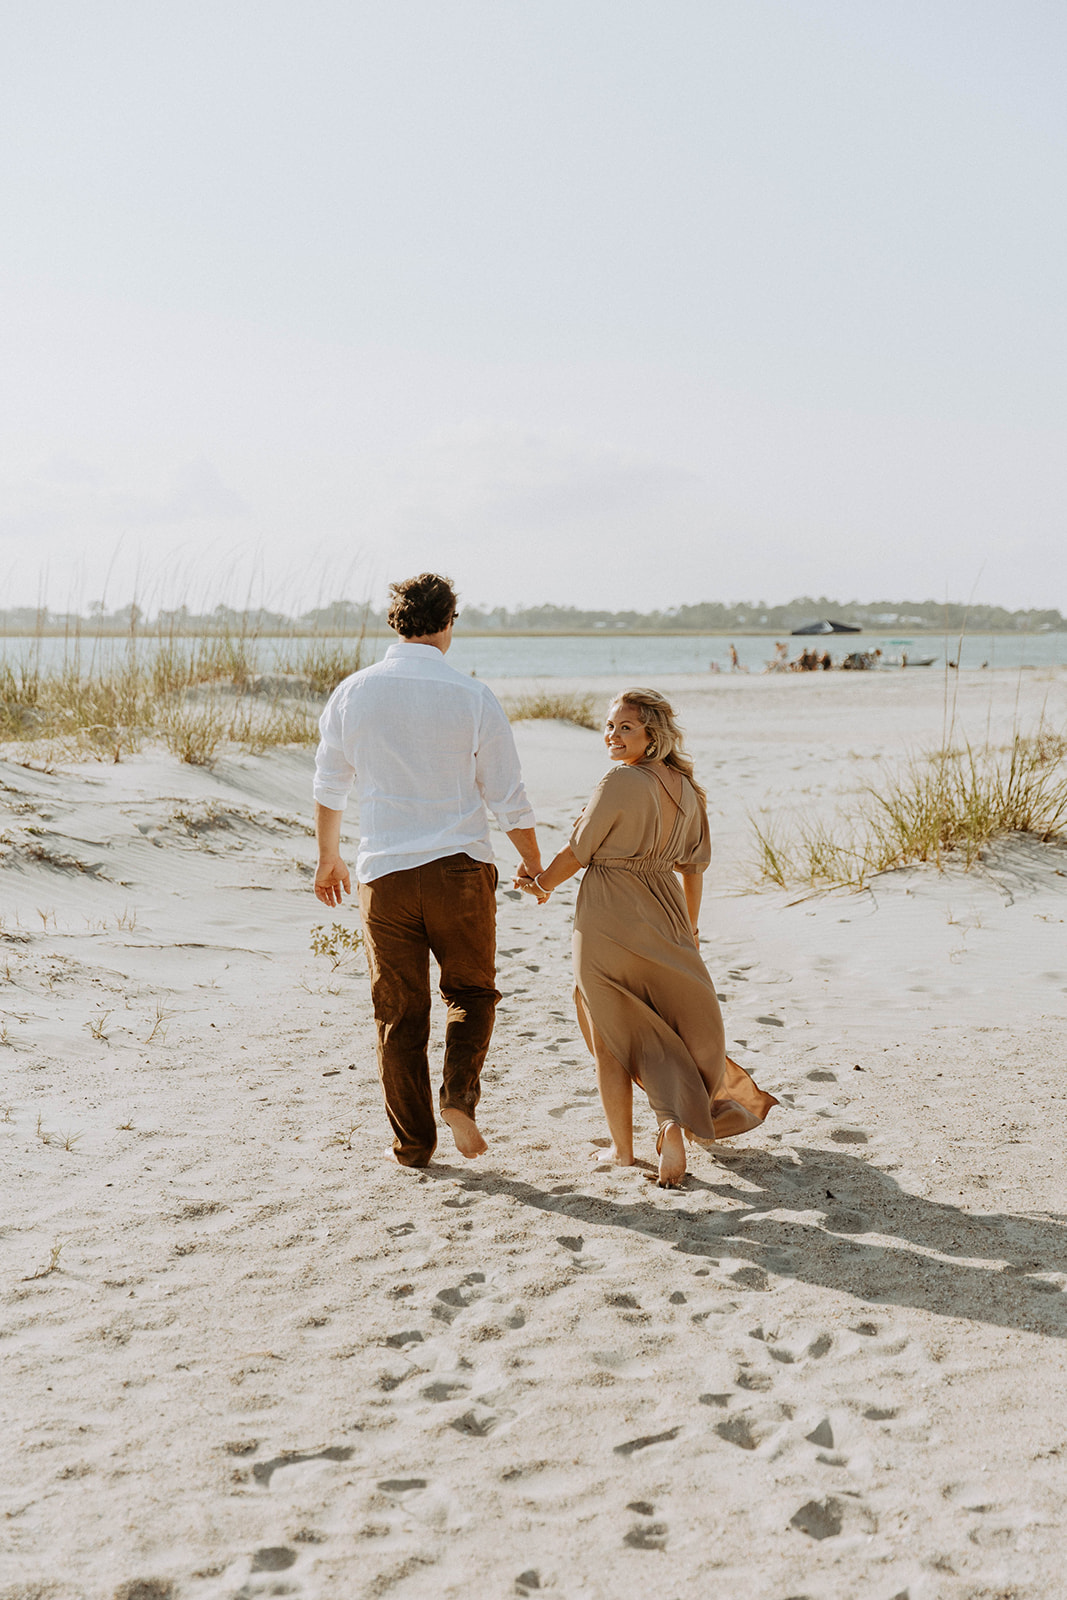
column 646, row 1004
column 428, row 750
column 861, row 660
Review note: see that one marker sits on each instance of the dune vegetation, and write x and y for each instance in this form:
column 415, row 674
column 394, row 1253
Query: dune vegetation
column 195, row 695
column 559, row 707
column 950, row 804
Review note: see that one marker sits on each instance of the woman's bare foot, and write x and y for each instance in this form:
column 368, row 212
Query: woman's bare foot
column 469, row 1141
column 671, row 1148
column 613, row 1157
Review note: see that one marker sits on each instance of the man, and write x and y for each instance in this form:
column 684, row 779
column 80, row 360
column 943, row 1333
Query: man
column 428, row 750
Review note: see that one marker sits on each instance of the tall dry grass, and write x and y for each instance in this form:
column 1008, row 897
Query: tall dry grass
column 951, row 804
column 577, row 708
column 198, row 696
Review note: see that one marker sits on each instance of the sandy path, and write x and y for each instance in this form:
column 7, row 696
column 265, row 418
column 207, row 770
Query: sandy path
column 271, row 1363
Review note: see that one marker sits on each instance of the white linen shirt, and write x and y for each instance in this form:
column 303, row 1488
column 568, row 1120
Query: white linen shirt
column 427, row 749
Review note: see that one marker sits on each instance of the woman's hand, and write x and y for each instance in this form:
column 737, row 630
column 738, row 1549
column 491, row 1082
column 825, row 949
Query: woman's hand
column 524, row 880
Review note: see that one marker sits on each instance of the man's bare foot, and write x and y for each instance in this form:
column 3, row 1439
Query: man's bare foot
column 612, row 1157
column 469, row 1141
column 671, row 1156
column 390, row 1155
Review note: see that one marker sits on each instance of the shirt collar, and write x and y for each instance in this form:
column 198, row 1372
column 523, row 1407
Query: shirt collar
column 404, row 646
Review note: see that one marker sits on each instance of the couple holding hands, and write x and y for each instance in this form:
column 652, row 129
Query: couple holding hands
column 429, row 750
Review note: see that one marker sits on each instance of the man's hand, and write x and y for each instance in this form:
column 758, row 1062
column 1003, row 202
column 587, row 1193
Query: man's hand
column 332, row 875
column 330, row 879
column 524, row 879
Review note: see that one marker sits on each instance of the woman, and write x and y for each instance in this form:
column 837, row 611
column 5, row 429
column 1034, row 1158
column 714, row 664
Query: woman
column 646, row 1004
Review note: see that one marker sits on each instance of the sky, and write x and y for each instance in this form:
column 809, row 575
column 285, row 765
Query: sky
column 594, row 302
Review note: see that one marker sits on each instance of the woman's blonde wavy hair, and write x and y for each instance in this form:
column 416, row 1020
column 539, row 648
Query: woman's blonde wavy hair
column 656, row 715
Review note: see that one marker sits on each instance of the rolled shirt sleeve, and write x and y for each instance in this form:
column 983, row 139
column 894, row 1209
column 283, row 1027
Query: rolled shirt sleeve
column 496, row 769
column 334, row 772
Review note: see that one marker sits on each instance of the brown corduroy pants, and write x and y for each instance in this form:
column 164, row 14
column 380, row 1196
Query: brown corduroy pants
column 447, row 908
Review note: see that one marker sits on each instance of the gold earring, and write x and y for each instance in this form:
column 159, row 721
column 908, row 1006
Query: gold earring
column 650, row 749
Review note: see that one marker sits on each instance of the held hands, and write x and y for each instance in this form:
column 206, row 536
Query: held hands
column 524, row 879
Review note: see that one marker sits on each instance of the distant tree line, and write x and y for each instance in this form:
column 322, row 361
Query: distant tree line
column 352, row 618
column 758, row 617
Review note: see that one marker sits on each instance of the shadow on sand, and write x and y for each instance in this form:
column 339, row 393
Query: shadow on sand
column 983, row 1270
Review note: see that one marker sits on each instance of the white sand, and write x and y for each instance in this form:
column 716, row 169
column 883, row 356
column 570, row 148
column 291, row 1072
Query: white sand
column 270, row 1362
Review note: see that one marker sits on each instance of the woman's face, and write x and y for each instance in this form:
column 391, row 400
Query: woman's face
column 625, row 734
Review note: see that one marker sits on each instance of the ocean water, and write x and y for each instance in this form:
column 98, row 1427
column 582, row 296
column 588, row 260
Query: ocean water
column 630, row 656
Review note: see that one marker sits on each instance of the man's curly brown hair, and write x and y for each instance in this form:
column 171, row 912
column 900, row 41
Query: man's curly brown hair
column 422, row 605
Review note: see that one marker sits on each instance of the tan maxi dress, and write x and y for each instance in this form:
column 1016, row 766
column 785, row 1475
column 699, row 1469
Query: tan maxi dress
column 640, row 981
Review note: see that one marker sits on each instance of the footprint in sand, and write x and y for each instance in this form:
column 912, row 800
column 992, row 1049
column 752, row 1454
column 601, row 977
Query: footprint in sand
column 273, row 1558
column 793, row 1343
column 263, row 1471
column 477, row 1424
column 450, row 1302
column 647, row 1536
column 632, row 1446
column 825, row 1519
column 819, row 1519
column 443, row 1389
column 753, row 1382
column 748, row 1429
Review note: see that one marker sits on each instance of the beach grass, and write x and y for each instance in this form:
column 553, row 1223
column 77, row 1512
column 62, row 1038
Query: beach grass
column 947, row 805
column 577, row 708
column 197, row 696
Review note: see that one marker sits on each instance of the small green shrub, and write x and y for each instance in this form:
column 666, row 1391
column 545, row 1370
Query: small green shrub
column 339, row 943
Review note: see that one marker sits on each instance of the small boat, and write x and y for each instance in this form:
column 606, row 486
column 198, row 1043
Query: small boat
column 906, row 657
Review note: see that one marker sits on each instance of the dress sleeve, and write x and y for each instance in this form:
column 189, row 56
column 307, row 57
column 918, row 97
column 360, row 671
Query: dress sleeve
column 696, row 856
column 604, row 809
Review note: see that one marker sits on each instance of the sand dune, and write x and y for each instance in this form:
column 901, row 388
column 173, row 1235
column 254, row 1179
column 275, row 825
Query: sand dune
column 270, row 1362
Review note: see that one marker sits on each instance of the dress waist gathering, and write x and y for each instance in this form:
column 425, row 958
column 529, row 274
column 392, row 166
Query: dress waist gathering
column 640, row 864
